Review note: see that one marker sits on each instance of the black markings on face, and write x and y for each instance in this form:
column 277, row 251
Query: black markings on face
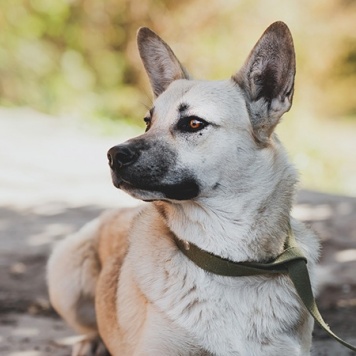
column 183, row 190
column 156, row 169
column 183, row 107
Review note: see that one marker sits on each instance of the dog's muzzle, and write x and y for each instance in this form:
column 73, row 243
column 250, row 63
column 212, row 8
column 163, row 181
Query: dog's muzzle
column 139, row 166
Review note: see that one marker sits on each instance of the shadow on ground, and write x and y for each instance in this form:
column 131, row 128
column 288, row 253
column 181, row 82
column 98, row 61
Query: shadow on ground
column 27, row 237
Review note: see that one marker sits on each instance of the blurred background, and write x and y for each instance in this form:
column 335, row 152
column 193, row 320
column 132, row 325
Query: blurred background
column 78, row 59
column 72, row 85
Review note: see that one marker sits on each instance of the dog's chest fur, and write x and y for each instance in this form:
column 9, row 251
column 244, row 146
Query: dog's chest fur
column 226, row 316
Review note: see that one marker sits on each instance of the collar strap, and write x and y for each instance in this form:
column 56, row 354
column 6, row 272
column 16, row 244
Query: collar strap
column 291, row 262
column 224, row 267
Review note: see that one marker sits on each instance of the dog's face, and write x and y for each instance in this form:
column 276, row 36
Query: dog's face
column 203, row 136
column 190, row 137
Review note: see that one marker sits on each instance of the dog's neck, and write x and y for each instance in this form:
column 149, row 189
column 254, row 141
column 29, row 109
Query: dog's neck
column 246, row 226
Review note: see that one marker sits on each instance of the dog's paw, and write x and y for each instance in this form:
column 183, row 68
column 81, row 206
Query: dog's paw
column 90, row 347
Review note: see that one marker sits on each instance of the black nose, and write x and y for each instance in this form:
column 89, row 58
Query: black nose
column 121, row 155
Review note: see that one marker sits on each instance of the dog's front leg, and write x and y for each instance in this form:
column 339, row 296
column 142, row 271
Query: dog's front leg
column 160, row 336
column 90, row 347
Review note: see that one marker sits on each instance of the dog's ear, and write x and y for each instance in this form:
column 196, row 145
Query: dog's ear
column 161, row 64
column 267, row 79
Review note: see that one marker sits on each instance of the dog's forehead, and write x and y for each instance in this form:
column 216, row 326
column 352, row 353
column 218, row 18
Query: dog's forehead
column 171, row 98
column 200, row 98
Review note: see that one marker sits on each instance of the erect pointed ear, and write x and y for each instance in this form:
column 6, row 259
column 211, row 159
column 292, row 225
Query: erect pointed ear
column 267, row 79
column 161, row 64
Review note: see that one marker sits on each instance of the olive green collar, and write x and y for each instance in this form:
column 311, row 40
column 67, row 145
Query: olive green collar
column 224, row 267
column 291, row 262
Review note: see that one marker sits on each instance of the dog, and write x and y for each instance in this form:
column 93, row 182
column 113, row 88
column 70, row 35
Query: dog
column 214, row 174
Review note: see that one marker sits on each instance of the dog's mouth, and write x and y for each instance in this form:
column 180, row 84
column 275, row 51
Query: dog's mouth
column 185, row 189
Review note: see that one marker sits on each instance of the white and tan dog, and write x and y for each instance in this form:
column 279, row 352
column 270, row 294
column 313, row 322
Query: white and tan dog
column 214, row 174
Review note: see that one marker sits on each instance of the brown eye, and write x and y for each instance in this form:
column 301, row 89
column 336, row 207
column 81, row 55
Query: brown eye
column 195, row 124
column 191, row 124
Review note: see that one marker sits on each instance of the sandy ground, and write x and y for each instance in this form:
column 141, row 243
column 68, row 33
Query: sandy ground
column 54, row 178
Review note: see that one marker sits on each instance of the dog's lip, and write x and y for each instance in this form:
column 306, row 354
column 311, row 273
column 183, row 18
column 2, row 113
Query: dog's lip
column 126, row 185
column 118, row 181
column 184, row 190
column 139, row 193
column 121, row 183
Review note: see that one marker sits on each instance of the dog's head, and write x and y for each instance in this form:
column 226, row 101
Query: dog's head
column 204, row 135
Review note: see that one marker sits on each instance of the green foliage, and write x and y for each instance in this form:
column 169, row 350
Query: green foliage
column 79, row 56
column 72, row 56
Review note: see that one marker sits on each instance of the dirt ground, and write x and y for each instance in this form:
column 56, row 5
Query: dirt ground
column 54, row 178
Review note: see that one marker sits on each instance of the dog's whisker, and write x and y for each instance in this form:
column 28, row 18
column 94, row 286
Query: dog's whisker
column 149, row 100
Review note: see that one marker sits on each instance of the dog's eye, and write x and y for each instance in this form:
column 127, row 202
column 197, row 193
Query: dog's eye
column 148, row 121
column 195, row 124
column 191, row 124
